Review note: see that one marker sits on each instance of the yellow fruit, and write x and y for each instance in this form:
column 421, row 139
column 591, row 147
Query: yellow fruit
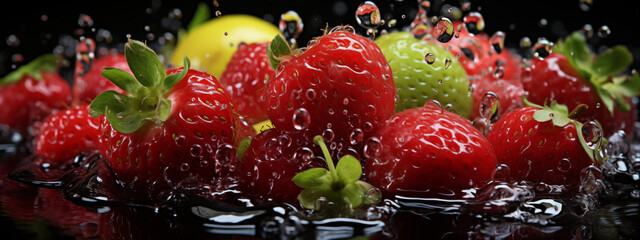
column 211, row 45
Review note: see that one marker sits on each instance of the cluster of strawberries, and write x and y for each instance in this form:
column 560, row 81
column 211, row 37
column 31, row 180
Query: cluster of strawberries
column 342, row 97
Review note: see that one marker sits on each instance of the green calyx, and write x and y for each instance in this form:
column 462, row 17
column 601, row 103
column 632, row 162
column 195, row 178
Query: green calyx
column 278, row 50
column 604, row 71
column 560, row 116
column 48, row 62
column 339, row 185
column 146, row 89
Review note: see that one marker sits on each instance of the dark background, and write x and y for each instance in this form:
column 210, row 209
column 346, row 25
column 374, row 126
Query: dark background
column 41, row 26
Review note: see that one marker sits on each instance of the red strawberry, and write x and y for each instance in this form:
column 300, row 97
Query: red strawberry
column 168, row 130
column 271, row 161
column 32, row 92
column 509, row 94
column 244, row 78
column 572, row 76
column 428, row 152
column 539, row 150
column 479, row 57
column 66, row 134
column 340, row 87
column 89, row 83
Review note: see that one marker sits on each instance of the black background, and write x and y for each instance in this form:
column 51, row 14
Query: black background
column 516, row 18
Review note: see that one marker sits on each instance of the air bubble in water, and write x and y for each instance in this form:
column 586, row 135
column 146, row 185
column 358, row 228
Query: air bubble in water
column 498, row 73
column 430, row 58
column 290, row 25
column 447, row 63
column 474, row 23
column 85, row 54
column 443, row 30
column 587, row 29
column 218, row 13
column 525, row 42
column 356, row 136
column 301, row 119
column 368, row 15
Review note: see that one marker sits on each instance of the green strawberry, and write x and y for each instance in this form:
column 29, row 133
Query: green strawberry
column 420, row 78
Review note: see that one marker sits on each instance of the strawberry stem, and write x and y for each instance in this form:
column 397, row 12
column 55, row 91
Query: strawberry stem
column 577, row 110
column 318, row 140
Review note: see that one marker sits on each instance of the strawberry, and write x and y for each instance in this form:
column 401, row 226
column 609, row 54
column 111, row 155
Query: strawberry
column 168, row 130
column 544, row 145
column 244, row 78
column 509, row 94
column 572, row 76
column 272, row 159
column 482, row 55
column 66, row 134
column 428, row 152
column 32, row 92
column 88, row 82
column 340, row 87
column 419, row 78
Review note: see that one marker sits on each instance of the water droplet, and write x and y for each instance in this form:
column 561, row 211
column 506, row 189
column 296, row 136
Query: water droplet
column 592, row 134
column 470, row 47
column 224, row 154
column 392, row 23
column 473, row 23
column 372, row 148
column 430, row 58
column 195, row 151
column 425, row 5
column 148, row 10
column 585, row 5
column 226, row 33
column 497, row 41
column 85, row 21
column 301, row 119
column 447, row 63
column 587, row 29
column 525, row 42
column 184, row 167
column 368, row 127
column 128, row 35
column 303, row 155
column 290, row 25
column 310, row 94
column 443, row 30
column 542, row 48
column 328, row 135
column 176, row 13
column 604, row 31
column 489, row 106
column 44, row 18
column 13, row 41
column 104, row 36
column 368, row 15
column 218, row 13
column 501, row 173
column 85, row 54
column 466, row 6
column 542, row 22
column 17, row 58
column 356, row 136
column 597, row 105
column 498, row 73
column 147, row 28
column 433, row 102
column 564, row 165
column 151, row 36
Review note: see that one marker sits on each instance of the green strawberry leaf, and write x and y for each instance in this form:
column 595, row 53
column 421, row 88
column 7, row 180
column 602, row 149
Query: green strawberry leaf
column 122, row 79
column 312, row 178
column 577, row 51
column 174, row 78
column 108, row 99
column 339, row 185
column 612, row 61
column 277, row 50
column 606, row 99
column 202, row 14
column 144, row 63
column 349, row 169
column 146, row 100
column 47, row 62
